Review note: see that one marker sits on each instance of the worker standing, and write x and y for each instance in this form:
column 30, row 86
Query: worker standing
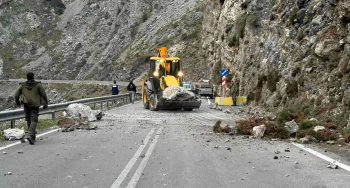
column 32, row 95
column 115, row 88
column 132, row 90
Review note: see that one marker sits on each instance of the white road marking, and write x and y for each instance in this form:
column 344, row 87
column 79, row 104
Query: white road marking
column 132, row 161
column 328, row 159
column 143, row 163
column 19, row 142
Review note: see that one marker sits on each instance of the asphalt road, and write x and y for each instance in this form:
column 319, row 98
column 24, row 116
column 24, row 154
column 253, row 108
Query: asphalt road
column 134, row 147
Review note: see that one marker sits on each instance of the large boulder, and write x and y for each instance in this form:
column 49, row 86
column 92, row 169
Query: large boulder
column 13, row 134
column 292, row 127
column 177, row 93
column 85, row 111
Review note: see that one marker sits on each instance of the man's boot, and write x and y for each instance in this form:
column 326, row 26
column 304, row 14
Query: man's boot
column 23, row 140
column 30, row 140
column 32, row 132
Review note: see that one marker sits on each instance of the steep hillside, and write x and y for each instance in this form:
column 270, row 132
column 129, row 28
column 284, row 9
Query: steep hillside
column 292, row 53
column 97, row 39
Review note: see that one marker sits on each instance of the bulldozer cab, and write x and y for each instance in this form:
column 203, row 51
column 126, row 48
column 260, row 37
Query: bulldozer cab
column 170, row 67
column 165, row 71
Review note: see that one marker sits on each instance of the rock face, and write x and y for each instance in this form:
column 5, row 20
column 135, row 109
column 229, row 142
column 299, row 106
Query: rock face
column 93, row 39
column 282, row 53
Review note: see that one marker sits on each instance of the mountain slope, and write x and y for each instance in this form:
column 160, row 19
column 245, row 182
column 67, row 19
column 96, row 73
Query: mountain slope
column 102, row 40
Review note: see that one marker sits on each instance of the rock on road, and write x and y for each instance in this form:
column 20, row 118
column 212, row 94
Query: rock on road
column 134, row 147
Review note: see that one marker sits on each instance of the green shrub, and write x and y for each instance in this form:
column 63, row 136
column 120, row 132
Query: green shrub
column 282, row 133
column 238, row 30
column 284, row 116
column 306, row 125
column 323, row 135
column 216, row 77
column 293, row 14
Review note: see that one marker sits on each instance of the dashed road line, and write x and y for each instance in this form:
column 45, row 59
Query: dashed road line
column 139, row 170
column 132, row 162
column 328, row 159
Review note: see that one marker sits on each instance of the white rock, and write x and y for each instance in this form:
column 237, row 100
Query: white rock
column 332, row 165
column 319, row 128
column 330, row 142
column 13, row 133
column 292, row 127
column 74, row 110
column 313, row 119
column 259, row 131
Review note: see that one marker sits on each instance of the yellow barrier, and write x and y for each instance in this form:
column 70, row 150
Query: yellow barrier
column 241, row 100
column 224, row 101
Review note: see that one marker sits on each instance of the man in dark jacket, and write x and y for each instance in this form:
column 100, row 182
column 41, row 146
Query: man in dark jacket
column 132, row 90
column 32, row 95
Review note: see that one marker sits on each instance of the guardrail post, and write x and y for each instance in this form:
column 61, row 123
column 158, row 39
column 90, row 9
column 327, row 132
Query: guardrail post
column 101, row 105
column 53, row 115
column 107, row 105
column 94, row 106
column 13, row 123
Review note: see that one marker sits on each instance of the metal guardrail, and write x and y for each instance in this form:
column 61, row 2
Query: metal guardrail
column 13, row 115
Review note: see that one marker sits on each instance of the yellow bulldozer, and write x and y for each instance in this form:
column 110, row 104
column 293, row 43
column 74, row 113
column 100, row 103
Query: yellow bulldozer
column 165, row 76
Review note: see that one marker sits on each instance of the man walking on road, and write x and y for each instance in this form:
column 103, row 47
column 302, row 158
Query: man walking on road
column 32, row 95
column 115, row 89
column 132, row 90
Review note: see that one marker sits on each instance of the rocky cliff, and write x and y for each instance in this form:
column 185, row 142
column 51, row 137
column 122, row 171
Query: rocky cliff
column 97, row 39
column 280, row 53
